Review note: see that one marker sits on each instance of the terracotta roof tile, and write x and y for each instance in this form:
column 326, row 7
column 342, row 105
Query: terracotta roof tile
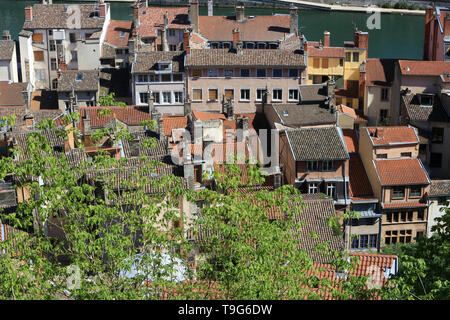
column 351, row 140
column 380, row 72
column 393, row 172
column 173, row 122
column 11, row 93
column 398, row 205
column 424, row 68
column 258, row 28
column 130, row 115
column 392, row 135
column 359, row 182
column 346, row 110
column 152, row 18
column 326, row 52
column 116, row 28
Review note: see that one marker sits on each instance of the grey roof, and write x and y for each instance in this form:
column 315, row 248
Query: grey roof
column 6, row 49
column 317, row 144
column 11, row 93
column 108, row 51
column 59, row 16
column 250, row 57
column 295, row 115
column 439, row 188
column 146, row 61
column 89, row 80
column 415, row 112
column 313, row 92
column 135, row 148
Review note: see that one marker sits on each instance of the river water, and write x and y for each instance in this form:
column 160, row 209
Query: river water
column 400, row 36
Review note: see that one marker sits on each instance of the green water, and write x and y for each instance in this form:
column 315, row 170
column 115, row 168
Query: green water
column 400, row 36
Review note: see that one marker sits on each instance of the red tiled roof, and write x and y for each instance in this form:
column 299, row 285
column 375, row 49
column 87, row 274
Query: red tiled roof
column 259, row 28
column 393, row 172
column 351, row 140
column 347, row 110
column 326, row 52
column 379, row 72
column 115, row 28
column 152, row 18
column 395, row 205
column 424, row 68
column 359, row 182
column 130, row 115
column 173, row 122
column 392, row 135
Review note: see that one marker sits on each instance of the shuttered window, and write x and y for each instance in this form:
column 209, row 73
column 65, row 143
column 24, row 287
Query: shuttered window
column 39, row 55
column 229, row 94
column 38, row 37
column 197, row 94
column 316, row 63
column 197, row 72
column 212, row 94
column 325, row 63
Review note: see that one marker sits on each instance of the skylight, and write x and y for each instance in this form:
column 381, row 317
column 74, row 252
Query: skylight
column 79, row 77
column 122, row 34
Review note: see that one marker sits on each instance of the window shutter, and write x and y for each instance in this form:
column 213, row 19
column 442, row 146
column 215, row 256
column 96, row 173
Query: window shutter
column 38, row 37
column 39, row 55
column 228, row 94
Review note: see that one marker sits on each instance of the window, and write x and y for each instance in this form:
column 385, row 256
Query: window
column 74, row 55
column 395, row 216
column 152, row 78
column 118, row 51
column 260, row 94
column 325, row 63
column 79, row 77
column 178, row 97
column 415, row 192
column 228, row 73
column 37, row 38
column 213, row 94
column 437, row 135
column 312, row 187
column 435, row 160
column 421, row 215
column 122, row 34
column 389, row 216
column 156, row 97
column 167, row 97
column 355, row 56
column 442, row 200
column 373, row 240
column 196, row 73
column 398, row 193
column 327, row 165
column 316, row 63
column 293, row 94
column 410, row 215
column 213, row 72
column 196, row 94
column 40, row 75
column 143, row 97
column 403, row 216
column 172, row 32
column 177, row 77
column 72, row 37
column 260, row 73
column 355, row 241
column 348, row 57
column 38, row 55
column 384, row 94
column 426, row 100
column 341, row 62
column 53, row 64
column 406, row 154
column 331, row 189
column 245, row 73
column 55, row 84
column 419, row 234
column 141, row 78
column 382, row 156
column 229, row 94
column 277, row 73
column 277, row 95
column 245, row 94
column 52, row 44
column 312, row 165
column 363, row 241
column 166, row 78
column 293, row 73
column 50, row 32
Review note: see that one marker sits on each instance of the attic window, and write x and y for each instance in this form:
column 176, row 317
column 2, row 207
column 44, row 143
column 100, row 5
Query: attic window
column 79, row 77
column 122, row 34
column 426, row 100
column 285, row 113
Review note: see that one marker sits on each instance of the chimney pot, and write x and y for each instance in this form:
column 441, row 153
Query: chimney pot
column 326, row 39
column 293, row 22
column 29, row 13
column 240, row 16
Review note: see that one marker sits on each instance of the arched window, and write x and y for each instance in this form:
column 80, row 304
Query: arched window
column 55, row 84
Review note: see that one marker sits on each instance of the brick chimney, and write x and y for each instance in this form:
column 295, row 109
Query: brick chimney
column 293, row 22
column 427, row 47
column 103, row 8
column 236, row 37
column 186, row 37
column 326, row 39
column 6, row 35
column 240, row 16
column 210, row 8
column 135, row 15
column 361, row 39
column 193, row 14
column 29, row 13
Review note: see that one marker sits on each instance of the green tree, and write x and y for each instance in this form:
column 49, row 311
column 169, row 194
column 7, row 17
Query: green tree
column 109, row 100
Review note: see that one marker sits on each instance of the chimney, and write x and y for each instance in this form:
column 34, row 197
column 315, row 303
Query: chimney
column 240, row 17
column 164, row 44
column 131, row 47
column 186, row 36
column 230, row 109
column 326, row 39
column 361, row 39
column 330, row 93
column 166, row 20
column 293, row 22
column 161, row 128
column 236, row 37
column 102, row 9
column 25, row 100
column 193, row 14
column 136, row 15
column 210, row 8
column 150, row 101
column 87, row 123
column 6, row 35
column 187, row 108
column 29, row 13
column 379, row 133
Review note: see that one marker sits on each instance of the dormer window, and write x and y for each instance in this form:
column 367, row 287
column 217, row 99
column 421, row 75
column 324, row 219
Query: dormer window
column 426, row 100
column 79, row 77
column 164, row 67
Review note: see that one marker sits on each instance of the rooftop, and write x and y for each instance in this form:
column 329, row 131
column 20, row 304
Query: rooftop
column 146, row 61
column 152, row 18
column 81, row 80
column 359, row 182
column 396, row 172
column 118, row 33
column 313, row 93
column 440, row 187
column 380, row 72
column 257, row 28
column 130, row 115
column 58, row 16
column 325, row 52
column 249, row 57
column 418, row 112
column 11, row 93
column 294, row 115
column 395, row 135
column 317, row 144
column 351, row 140
column 7, row 49
column 424, row 68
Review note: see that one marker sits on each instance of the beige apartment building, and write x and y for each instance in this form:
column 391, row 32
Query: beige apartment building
column 398, row 179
